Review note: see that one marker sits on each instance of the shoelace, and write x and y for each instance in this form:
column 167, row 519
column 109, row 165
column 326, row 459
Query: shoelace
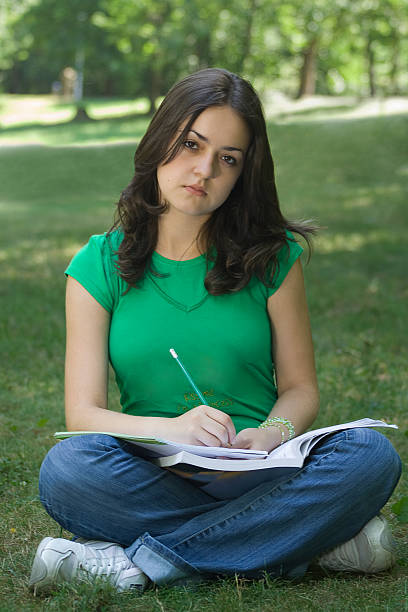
column 101, row 563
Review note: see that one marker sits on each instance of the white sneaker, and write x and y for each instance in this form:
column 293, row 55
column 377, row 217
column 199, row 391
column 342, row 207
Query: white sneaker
column 370, row 551
column 58, row 560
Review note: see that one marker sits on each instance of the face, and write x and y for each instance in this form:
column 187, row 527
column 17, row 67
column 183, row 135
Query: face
column 201, row 176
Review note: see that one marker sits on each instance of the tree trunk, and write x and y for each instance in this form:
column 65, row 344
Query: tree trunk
column 395, row 64
column 370, row 66
column 158, row 19
column 203, row 50
column 308, row 73
column 15, row 80
column 247, row 40
column 108, row 86
column 81, row 114
column 154, row 88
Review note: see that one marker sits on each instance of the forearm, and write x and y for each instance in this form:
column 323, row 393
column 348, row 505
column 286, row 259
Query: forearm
column 95, row 418
column 201, row 425
column 300, row 405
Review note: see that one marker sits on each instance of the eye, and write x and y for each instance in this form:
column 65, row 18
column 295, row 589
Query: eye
column 229, row 160
column 190, row 144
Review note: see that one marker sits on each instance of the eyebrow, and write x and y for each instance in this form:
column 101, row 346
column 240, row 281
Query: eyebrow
column 201, row 137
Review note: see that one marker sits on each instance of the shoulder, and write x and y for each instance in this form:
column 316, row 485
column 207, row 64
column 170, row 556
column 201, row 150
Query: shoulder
column 290, row 251
column 285, row 258
column 108, row 242
column 94, row 267
column 99, row 246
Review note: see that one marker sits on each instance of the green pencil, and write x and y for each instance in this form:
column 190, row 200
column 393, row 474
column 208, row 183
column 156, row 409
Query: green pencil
column 188, row 376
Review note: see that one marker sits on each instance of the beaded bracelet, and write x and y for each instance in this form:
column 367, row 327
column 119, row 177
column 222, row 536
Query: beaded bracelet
column 275, row 421
column 278, row 425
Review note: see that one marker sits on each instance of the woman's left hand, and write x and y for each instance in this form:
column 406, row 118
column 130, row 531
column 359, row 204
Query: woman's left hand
column 258, row 439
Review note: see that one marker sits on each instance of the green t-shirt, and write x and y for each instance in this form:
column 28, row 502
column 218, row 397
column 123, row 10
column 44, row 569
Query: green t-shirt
column 224, row 341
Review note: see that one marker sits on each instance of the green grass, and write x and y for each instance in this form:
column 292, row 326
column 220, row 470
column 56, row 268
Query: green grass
column 352, row 175
column 47, row 120
column 16, row 109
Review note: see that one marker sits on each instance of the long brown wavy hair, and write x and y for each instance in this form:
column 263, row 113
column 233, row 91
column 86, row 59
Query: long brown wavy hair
column 244, row 235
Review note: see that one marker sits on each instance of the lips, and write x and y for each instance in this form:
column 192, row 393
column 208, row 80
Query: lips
column 196, row 190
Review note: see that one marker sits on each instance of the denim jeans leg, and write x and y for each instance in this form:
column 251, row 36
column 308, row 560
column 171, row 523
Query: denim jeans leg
column 97, row 488
column 280, row 528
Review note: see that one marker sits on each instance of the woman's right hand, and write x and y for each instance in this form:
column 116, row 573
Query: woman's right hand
column 202, row 426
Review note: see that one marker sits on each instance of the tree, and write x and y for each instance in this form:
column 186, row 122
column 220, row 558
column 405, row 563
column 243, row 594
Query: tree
column 164, row 39
column 51, row 35
column 148, row 37
column 141, row 48
column 11, row 12
column 368, row 47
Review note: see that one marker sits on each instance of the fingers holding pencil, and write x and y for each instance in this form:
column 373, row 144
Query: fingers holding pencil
column 221, row 423
column 205, row 425
column 202, row 425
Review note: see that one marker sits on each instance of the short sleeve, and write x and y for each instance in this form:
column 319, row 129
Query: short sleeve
column 286, row 258
column 93, row 267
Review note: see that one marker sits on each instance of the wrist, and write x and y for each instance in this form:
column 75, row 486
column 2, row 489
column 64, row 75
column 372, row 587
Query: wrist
column 271, row 438
column 285, row 426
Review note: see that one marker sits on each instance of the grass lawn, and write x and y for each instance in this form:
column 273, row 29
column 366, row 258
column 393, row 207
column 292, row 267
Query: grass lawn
column 351, row 174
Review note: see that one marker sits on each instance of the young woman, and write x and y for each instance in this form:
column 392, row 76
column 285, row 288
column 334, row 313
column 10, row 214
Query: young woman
column 201, row 259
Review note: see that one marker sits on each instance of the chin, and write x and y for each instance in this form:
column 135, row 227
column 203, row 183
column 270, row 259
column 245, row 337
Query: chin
column 196, row 212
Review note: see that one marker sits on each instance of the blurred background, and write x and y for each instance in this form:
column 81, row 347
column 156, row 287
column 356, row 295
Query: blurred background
column 79, row 49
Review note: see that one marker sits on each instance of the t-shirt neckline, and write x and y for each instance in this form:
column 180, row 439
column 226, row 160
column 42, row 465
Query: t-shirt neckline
column 175, row 263
column 161, row 264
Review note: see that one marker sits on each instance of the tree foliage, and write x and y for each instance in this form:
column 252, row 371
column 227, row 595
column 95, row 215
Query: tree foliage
column 141, row 48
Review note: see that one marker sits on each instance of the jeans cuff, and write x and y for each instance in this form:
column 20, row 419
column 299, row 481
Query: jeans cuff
column 158, row 562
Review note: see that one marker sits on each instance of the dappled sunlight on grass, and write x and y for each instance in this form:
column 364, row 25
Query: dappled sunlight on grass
column 45, row 109
column 117, row 108
column 18, row 207
column 47, row 120
column 352, row 177
column 87, row 133
column 19, row 109
column 328, row 242
column 402, row 170
column 359, row 201
column 365, row 197
column 324, row 108
column 37, row 251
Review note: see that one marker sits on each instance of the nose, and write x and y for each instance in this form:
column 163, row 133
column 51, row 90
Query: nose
column 206, row 166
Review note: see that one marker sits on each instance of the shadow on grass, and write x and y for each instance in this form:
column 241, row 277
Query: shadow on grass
column 21, row 127
column 127, row 128
column 326, row 109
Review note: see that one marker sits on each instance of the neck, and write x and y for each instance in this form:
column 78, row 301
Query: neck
column 179, row 240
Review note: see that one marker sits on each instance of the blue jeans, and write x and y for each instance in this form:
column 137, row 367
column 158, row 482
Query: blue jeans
column 96, row 487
